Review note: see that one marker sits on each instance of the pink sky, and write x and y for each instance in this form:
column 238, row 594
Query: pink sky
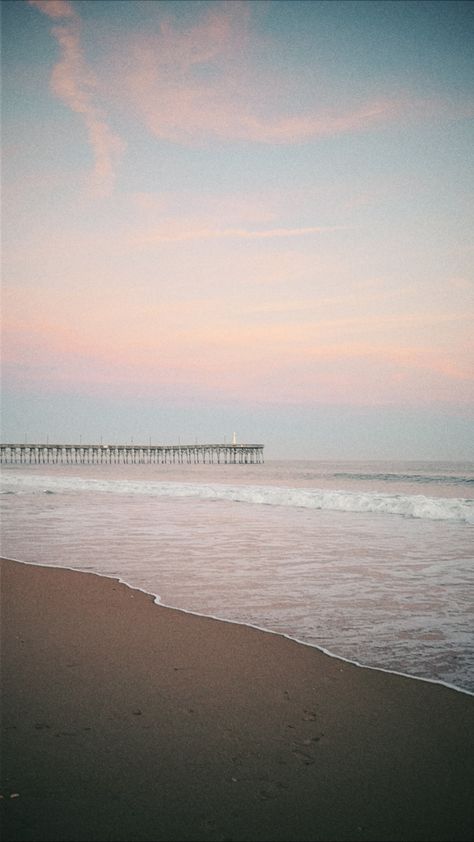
column 223, row 202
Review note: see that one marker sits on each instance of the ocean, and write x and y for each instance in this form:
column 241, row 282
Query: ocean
column 372, row 562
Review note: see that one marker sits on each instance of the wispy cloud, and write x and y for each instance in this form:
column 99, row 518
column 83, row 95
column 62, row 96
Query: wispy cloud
column 55, row 8
column 74, row 83
column 358, row 372
column 214, row 80
column 176, row 234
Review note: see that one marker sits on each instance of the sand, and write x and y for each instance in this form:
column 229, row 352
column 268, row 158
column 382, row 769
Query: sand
column 124, row 720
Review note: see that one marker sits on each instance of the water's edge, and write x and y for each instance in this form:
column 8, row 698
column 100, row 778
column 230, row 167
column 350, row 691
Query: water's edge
column 157, row 601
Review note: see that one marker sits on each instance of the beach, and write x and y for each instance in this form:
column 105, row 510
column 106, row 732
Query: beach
column 125, row 720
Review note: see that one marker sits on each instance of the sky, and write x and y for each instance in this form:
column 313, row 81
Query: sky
column 239, row 216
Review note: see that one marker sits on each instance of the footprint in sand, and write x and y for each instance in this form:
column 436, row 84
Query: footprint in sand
column 272, row 789
column 302, row 749
column 304, row 756
column 309, row 715
column 208, row 824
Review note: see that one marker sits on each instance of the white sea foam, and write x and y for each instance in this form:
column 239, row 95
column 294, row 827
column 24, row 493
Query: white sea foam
column 371, row 562
column 405, row 505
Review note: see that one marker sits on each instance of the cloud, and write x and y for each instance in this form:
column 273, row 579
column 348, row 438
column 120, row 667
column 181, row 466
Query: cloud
column 175, row 108
column 74, row 83
column 217, row 78
column 175, row 233
column 54, row 8
column 206, row 345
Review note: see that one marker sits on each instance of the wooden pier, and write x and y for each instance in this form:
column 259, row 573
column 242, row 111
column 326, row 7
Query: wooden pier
column 131, row 454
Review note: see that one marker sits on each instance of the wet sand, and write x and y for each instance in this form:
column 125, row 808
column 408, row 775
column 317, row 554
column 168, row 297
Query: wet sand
column 123, row 720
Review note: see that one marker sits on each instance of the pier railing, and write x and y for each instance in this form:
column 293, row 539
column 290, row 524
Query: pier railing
column 107, row 454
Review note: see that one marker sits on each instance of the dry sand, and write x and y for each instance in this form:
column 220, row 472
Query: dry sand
column 122, row 720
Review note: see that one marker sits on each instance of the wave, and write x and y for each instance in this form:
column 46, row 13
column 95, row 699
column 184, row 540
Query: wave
column 438, row 479
column 405, row 505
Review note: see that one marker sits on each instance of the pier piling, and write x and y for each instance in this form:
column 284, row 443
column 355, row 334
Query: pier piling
column 98, row 454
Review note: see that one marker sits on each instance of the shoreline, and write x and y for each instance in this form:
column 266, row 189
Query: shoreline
column 157, row 601
column 127, row 719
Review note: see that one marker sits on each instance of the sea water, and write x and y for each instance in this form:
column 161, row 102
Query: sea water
column 370, row 562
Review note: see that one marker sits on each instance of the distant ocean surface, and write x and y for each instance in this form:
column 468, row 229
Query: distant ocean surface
column 372, row 562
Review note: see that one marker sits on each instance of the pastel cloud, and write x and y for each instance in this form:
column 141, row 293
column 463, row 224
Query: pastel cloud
column 204, row 344
column 54, row 8
column 175, row 233
column 186, row 216
column 212, row 81
column 358, row 375
column 74, row 83
column 182, row 113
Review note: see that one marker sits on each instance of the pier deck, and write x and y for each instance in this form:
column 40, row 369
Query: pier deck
column 96, row 454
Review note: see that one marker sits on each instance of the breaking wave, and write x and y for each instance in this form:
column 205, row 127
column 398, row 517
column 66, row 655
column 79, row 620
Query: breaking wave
column 437, row 479
column 405, row 505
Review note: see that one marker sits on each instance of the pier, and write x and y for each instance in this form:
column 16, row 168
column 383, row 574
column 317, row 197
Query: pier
column 131, row 454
